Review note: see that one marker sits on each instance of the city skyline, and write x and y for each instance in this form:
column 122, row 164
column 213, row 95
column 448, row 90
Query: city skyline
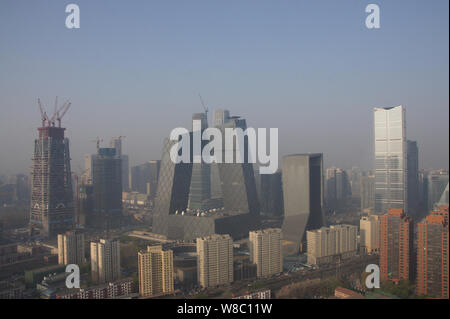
column 273, row 71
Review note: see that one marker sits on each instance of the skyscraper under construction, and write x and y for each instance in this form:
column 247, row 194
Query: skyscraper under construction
column 52, row 209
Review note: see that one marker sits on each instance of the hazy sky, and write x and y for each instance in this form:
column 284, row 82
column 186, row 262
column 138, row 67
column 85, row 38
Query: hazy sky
column 310, row 68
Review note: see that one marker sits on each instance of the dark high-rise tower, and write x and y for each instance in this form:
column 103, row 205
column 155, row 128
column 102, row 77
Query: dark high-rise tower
column 107, row 188
column 175, row 219
column 52, row 207
column 413, row 178
column 303, row 199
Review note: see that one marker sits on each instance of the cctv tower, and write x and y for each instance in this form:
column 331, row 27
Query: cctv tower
column 52, row 209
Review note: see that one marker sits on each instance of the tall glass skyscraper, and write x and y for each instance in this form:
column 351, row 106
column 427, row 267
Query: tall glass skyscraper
column 390, row 159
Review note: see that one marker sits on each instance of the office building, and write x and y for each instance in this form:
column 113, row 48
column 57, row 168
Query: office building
column 52, row 207
column 436, row 184
column 337, row 188
column 71, row 248
column 271, row 195
column 86, row 178
column 367, row 189
column 144, row 178
column 155, row 271
column 413, row 178
column 303, row 199
column 174, row 218
column 396, row 246
column 116, row 143
column 214, row 260
column 265, row 251
column 390, row 159
column 369, row 234
column 221, row 117
column 432, row 255
column 354, row 176
column 328, row 244
column 107, row 189
column 105, row 260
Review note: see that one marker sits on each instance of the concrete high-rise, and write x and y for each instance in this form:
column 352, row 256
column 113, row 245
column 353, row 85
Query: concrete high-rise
column 265, row 251
column 432, row 255
column 390, row 159
column 303, row 199
column 116, row 143
column 214, row 260
column 325, row 243
column 71, row 248
column 369, row 234
column 155, row 269
column 144, row 178
column 105, row 260
column 221, row 117
column 52, row 207
column 107, row 190
column 396, row 246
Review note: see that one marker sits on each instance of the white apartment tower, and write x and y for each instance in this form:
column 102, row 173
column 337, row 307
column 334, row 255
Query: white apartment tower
column 214, row 260
column 71, row 248
column 265, row 251
column 105, row 260
column 155, row 271
column 326, row 243
column 369, row 234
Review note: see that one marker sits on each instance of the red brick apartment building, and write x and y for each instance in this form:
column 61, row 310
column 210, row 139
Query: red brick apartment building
column 432, row 255
column 396, row 246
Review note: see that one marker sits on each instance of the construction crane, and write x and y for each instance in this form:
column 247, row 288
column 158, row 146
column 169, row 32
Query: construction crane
column 56, row 114
column 44, row 116
column 98, row 140
column 64, row 108
column 204, row 107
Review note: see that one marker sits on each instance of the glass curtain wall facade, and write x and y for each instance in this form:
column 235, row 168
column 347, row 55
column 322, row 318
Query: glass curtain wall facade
column 390, row 159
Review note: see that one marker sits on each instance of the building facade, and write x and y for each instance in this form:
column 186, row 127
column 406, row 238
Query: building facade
column 369, row 234
column 390, row 159
column 303, row 199
column 105, row 260
column 214, row 260
column 413, row 178
column 155, row 271
column 52, row 207
column 71, row 248
column 327, row 244
column 265, row 251
column 107, row 188
column 396, row 246
column 432, row 255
